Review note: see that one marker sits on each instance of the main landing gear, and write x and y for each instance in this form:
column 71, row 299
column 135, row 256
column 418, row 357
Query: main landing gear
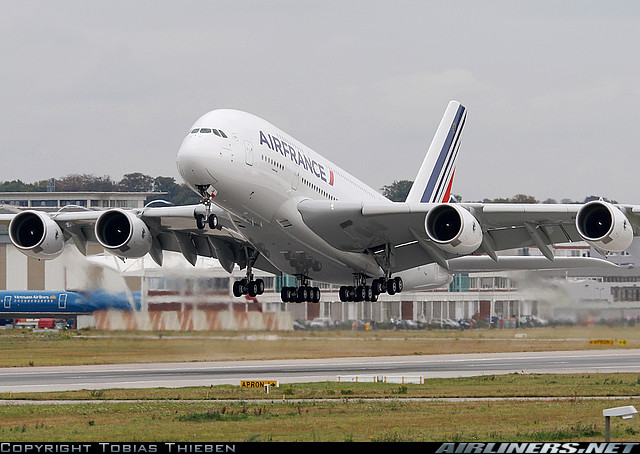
column 247, row 285
column 363, row 292
column 304, row 293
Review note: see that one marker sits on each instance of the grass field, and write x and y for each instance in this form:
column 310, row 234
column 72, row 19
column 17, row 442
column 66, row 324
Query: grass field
column 24, row 348
column 319, row 411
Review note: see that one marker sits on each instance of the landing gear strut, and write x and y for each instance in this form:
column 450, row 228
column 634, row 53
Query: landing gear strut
column 247, row 285
column 303, row 293
column 360, row 291
column 209, row 218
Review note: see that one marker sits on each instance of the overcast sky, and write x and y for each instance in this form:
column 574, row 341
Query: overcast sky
column 112, row 87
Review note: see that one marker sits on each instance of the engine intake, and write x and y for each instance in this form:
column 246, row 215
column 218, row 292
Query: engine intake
column 453, row 229
column 35, row 234
column 122, row 233
column 604, row 226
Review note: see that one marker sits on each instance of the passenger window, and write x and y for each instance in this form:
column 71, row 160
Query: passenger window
column 215, row 131
column 205, row 130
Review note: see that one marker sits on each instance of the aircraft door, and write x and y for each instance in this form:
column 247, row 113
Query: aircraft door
column 296, row 179
column 62, row 301
column 248, row 152
column 7, row 302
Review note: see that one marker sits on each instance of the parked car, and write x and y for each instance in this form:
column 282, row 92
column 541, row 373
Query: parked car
column 321, row 323
column 405, row 324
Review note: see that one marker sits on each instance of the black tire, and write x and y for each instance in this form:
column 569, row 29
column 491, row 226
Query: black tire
column 368, row 293
column 260, row 286
column 316, row 295
column 343, row 293
column 213, row 221
column 237, row 289
column 375, row 287
column 284, row 294
column 391, row 287
column 360, row 294
column 200, row 221
column 252, row 289
column 399, row 284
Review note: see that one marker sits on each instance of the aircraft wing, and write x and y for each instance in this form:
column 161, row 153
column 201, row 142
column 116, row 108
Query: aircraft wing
column 173, row 228
column 484, row 263
column 364, row 226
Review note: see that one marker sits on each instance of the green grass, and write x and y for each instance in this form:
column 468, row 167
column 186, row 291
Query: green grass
column 24, row 348
column 338, row 420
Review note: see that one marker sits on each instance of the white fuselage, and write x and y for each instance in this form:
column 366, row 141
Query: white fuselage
column 260, row 174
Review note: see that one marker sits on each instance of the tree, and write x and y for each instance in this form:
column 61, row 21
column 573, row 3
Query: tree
column 135, row 182
column 522, row 198
column 84, row 182
column 397, row 191
column 16, row 186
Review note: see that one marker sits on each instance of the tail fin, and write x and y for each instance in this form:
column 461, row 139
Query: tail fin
column 434, row 179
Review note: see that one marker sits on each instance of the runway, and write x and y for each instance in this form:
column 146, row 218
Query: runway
column 62, row 378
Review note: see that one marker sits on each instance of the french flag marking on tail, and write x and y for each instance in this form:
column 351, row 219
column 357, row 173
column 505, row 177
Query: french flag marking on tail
column 435, row 177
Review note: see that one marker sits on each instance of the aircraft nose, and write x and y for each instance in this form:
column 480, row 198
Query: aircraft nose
column 192, row 162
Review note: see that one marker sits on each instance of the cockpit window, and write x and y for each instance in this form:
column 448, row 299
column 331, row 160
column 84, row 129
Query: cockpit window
column 217, row 132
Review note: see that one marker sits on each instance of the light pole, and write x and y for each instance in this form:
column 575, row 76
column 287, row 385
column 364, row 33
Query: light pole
column 627, row 412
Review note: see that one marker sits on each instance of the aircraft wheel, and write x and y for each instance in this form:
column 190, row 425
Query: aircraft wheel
column 399, row 284
column 359, row 293
column 343, row 293
column 213, row 221
column 200, row 221
column 237, row 289
column 391, row 287
column 259, row 286
column 368, row 293
column 316, row 295
column 252, row 289
column 284, row 294
column 376, row 287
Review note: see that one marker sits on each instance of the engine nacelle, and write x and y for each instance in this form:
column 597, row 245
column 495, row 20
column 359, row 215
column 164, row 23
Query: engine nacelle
column 123, row 234
column 453, row 229
column 35, row 234
column 604, row 226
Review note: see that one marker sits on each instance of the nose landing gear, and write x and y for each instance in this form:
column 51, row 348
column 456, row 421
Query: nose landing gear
column 208, row 218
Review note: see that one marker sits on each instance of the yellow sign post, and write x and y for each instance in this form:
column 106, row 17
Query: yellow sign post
column 258, row 383
column 608, row 342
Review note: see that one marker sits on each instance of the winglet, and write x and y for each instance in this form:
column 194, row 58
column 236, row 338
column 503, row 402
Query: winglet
column 435, row 177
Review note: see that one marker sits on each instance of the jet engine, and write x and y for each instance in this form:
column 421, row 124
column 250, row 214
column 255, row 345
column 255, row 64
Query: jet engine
column 37, row 235
column 123, row 234
column 453, row 229
column 604, row 226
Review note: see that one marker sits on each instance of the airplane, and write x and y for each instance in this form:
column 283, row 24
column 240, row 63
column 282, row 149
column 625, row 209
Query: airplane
column 271, row 203
column 64, row 302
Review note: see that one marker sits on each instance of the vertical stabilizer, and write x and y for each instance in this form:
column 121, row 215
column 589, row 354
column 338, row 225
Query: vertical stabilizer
column 434, row 179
